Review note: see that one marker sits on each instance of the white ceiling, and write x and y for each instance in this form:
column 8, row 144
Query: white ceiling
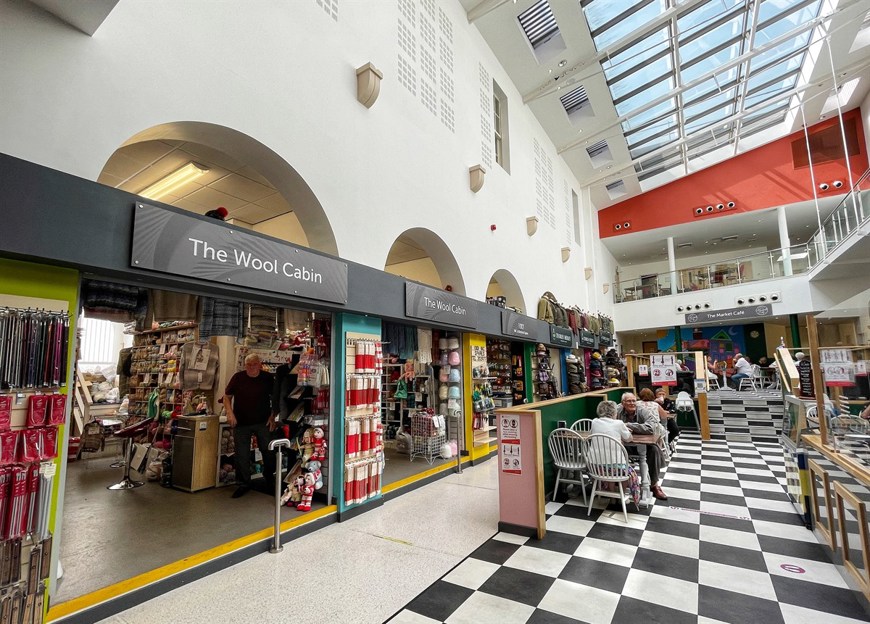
column 247, row 196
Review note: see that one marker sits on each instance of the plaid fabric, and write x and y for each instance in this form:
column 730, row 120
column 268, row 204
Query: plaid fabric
column 219, row 317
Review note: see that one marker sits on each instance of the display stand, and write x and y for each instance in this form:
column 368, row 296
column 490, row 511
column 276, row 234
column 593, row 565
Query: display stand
column 364, row 439
column 429, row 435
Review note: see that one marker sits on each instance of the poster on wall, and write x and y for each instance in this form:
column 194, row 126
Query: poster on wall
column 511, row 449
column 643, row 370
column 837, row 367
column 664, row 369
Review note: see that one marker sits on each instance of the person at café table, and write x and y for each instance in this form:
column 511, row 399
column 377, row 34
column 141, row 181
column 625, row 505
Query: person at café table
column 643, row 422
column 742, row 370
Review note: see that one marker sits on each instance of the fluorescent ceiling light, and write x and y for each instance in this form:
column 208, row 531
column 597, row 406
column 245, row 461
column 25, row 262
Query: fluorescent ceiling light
column 797, row 256
column 174, row 180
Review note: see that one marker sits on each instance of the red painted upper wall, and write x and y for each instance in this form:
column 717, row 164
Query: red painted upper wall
column 761, row 178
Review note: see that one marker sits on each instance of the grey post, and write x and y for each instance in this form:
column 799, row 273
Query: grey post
column 277, row 445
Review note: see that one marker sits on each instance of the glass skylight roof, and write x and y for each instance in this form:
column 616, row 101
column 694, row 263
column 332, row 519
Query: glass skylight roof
column 649, row 58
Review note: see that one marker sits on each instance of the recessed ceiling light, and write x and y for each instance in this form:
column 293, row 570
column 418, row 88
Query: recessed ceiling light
column 551, row 71
column 562, row 63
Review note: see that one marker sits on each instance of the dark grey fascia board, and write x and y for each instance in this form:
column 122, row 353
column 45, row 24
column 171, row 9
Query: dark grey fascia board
column 52, row 217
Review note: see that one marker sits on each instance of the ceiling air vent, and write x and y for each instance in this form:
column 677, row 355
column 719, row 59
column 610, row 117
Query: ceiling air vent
column 616, row 189
column 684, row 245
column 576, row 104
column 539, row 23
column 599, row 154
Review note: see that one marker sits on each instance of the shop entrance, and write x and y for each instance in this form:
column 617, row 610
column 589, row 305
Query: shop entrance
column 183, row 352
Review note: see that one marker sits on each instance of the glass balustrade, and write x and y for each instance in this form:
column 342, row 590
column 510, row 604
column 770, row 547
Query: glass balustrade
column 751, row 268
column 850, row 214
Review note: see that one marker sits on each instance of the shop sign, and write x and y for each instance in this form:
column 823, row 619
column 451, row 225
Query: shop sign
column 561, row 336
column 513, row 324
column 432, row 304
column 605, row 338
column 179, row 244
column 587, row 339
column 731, row 314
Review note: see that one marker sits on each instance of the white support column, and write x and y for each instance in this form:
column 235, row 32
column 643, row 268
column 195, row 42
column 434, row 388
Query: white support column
column 672, row 265
column 784, row 241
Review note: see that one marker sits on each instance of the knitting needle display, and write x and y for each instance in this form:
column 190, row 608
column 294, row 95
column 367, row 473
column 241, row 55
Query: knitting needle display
column 33, row 345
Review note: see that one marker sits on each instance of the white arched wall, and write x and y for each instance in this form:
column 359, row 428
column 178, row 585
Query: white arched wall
column 442, row 268
column 283, row 75
column 510, row 289
column 270, row 165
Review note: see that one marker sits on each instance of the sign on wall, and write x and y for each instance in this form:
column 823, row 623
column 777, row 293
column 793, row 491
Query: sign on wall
column 432, row 304
column 663, row 369
column 179, row 244
column 587, row 339
column 730, row 314
column 514, row 324
column 605, row 338
column 511, row 448
column 561, row 336
column 837, row 367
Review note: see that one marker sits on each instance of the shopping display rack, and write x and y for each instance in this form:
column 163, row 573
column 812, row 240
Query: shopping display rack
column 429, row 434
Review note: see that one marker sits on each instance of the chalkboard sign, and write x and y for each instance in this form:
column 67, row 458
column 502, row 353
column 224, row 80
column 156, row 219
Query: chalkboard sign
column 805, row 378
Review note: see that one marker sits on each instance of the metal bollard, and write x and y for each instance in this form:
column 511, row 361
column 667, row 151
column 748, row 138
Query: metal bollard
column 273, row 445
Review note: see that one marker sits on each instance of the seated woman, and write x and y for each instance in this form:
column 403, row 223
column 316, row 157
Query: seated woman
column 608, row 424
column 646, row 400
column 713, row 370
column 671, row 423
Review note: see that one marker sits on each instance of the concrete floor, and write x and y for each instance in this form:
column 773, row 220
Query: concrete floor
column 110, row 536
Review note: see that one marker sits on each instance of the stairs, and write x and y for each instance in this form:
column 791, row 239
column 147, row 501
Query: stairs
column 747, row 416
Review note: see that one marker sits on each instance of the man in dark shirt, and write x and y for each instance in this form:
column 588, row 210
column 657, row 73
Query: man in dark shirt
column 248, row 401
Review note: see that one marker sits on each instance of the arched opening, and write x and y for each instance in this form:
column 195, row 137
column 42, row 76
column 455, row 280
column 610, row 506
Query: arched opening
column 421, row 255
column 260, row 190
column 504, row 284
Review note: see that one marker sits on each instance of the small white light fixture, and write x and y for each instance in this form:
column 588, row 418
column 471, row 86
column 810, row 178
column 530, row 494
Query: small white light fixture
column 566, row 253
column 175, row 180
column 531, row 225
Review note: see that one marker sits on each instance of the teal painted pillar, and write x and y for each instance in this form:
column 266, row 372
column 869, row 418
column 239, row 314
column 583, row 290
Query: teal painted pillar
column 795, row 331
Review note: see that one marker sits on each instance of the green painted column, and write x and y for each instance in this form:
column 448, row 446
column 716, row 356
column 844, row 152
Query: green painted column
column 795, row 331
column 678, row 338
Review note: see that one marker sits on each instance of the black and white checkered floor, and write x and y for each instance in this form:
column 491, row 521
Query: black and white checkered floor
column 745, row 416
column 726, row 547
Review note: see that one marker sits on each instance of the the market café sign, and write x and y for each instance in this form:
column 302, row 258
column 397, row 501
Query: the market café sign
column 432, row 304
column 730, row 314
column 180, row 244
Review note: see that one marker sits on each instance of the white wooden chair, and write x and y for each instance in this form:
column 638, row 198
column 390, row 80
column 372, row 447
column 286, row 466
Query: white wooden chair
column 566, row 449
column 607, row 462
column 713, row 382
column 584, row 424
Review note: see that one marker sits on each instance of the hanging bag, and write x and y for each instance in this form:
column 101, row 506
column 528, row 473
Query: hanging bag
column 401, row 390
